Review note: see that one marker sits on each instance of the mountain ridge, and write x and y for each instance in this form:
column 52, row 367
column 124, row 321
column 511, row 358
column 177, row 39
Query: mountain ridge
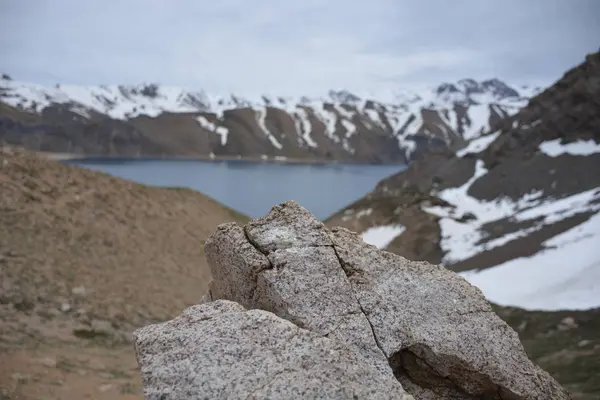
column 522, row 200
column 340, row 126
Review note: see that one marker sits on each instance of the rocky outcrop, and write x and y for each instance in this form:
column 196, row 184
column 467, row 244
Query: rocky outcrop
column 297, row 310
column 222, row 351
column 158, row 121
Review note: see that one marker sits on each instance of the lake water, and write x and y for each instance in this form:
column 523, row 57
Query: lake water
column 253, row 188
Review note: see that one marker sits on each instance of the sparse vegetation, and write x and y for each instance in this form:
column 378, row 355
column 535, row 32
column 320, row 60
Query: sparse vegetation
column 564, row 343
column 84, row 259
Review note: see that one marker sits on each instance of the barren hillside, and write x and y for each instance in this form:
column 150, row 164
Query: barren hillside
column 84, row 259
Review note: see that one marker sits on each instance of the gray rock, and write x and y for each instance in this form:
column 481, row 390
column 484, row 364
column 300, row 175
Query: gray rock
column 331, row 316
column 303, row 283
column 207, row 298
column 48, row 362
column 287, row 225
column 307, row 287
column 79, row 291
column 438, row 331
column 235, row 264
column 65, row 307
column 221, row 351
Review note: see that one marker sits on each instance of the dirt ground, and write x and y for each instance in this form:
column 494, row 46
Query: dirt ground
column 85, row 259
column 53, row 372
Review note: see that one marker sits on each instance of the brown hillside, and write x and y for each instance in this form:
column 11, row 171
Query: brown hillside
column 85, row 258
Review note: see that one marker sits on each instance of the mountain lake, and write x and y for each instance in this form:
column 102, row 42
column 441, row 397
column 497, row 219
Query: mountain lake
column 253, row 187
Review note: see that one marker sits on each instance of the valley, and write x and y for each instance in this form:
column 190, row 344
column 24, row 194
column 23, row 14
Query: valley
column 509, row 201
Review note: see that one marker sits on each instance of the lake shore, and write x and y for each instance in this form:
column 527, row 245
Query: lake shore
column 262, row 159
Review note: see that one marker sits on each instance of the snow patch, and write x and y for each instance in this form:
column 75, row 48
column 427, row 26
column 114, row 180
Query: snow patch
column 374, row 116
column 554, row 148
column 450, row 118
column 461, row 238
column 350, row 214
column 82, row 111
column 566, row 274
column 479, row 115
column 343, row 111
column 329, row 119
column 209, row 126
column 350, row 128
column 532, row 125
column 382, row 236
column 261, row 115
column 304, row 127
column 478, row 145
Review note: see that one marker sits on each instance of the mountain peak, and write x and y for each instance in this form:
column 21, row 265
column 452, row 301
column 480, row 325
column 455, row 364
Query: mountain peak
column 343, row 96
column 499, row 88
column 470, row 86
column 446, row 88
column 470, row 91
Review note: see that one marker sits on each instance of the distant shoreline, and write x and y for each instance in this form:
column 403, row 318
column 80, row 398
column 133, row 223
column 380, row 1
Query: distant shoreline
column 263, row 160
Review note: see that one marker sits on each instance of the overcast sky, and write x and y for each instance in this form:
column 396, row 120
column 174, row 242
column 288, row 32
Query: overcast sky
column 295, row 46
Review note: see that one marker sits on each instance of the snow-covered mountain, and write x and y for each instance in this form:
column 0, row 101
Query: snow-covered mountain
column 516, row 211
column 340, row 125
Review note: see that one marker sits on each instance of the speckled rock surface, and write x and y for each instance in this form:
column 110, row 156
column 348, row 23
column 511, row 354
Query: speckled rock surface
column 235, row 264
column 219, row 350
column 416, row 327
column 438, row 332
column 291, row 269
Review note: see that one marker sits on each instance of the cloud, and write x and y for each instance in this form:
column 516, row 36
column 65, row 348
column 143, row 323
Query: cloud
column 308, row 46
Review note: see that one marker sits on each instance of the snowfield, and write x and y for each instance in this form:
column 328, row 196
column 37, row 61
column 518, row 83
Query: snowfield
column 460, row 239
column 566, row 273
column 564, row 276
column 554, row 148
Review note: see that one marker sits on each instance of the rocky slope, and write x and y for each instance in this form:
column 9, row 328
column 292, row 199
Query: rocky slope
column 332, row 317
column 156, row 121
column 523, row 199
column 84, row 259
